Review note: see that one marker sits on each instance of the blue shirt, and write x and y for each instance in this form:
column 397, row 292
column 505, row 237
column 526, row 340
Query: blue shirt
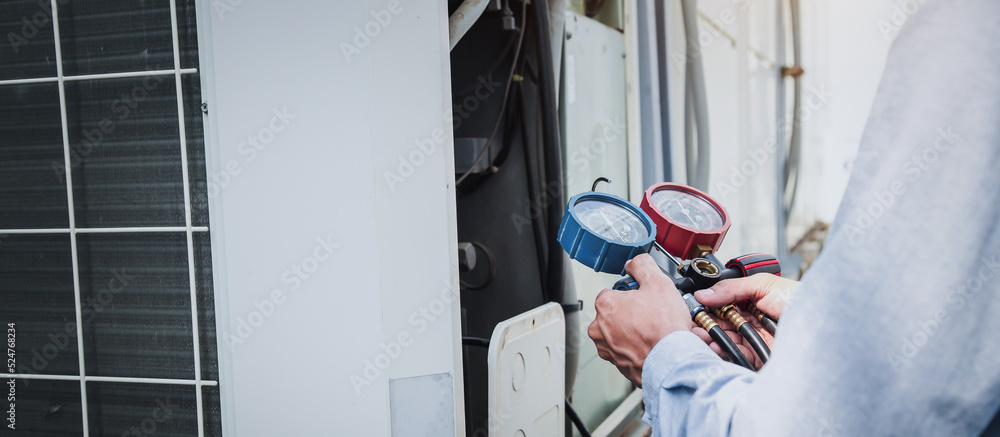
column 895, row 329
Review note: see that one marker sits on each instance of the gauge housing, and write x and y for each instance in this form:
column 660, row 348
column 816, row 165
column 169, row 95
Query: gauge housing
column 594, row 250
column 678, row 239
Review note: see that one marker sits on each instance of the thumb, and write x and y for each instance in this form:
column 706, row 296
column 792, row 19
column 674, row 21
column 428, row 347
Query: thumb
column 754, row 288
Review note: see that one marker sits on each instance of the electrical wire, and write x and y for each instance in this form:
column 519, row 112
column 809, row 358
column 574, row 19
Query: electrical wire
column 475, row 341
column 577, row 421
column 503, row 105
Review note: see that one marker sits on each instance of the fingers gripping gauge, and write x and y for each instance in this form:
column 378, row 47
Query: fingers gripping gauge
column 685, row 219
column 603, row 231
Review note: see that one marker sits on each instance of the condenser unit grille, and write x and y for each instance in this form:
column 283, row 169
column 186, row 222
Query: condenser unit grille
column 105, row 258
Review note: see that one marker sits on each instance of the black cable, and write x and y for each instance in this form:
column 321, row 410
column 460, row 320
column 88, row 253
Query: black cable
column 573, row 417
column 769, row 324
column 537, row 231
column 503, row 105
column 729, row 347
column 475, row 341
column 489, row 71
column 751, row 336
column 553, row 149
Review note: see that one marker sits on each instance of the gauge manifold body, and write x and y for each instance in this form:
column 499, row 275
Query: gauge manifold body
column 685, row 218
column 603, row 231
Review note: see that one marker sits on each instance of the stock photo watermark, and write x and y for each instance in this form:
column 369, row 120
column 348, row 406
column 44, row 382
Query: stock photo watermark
column 901, row 12
column 708, row 36
column 608, row 132
column 30, row 26
column 420, row 320
column 294, row 277
column 423, row 149
column 910, row 345
column 161, row 413
column 11, row 369
column 249, row 149
column 914, row 168
column 93, row 138
column 741, row 173
column 380, row 19
column 42, row 357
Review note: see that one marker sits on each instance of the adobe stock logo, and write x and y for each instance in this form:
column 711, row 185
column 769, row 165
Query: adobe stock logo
column 373, row 28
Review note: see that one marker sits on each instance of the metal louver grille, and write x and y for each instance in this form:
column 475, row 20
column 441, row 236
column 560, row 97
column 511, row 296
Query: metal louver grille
column 105, row 255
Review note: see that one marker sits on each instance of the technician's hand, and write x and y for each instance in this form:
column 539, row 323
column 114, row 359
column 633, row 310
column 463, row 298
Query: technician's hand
column 630, row 323
column 768, row 292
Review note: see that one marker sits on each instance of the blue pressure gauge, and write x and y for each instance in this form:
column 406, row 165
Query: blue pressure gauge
column 604, row 231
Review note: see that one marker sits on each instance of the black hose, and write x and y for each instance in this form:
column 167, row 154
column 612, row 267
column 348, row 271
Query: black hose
column 475, row 341
column 751, row 336
column 729, row 347
column 573, row 417
column 769, row 324
column 553, row 150
column 537, row 230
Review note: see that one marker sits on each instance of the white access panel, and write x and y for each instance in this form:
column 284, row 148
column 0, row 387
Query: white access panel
column 333, row 216
column 527, row 374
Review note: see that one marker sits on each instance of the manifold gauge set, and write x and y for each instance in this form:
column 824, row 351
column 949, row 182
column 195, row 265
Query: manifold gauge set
column 603, row 232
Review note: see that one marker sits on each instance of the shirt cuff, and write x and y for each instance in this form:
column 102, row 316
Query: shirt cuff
column 668, row 353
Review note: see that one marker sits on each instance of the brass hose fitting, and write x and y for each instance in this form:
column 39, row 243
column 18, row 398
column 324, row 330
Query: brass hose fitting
column 705, row 321
column 730, row 313
column 756, row 312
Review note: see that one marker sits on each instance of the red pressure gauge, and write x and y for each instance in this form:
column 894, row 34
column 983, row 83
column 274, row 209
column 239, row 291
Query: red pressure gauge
column 685, row 218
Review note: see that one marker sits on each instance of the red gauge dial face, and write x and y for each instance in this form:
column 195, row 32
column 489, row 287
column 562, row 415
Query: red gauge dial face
column 688, row 222
column 688, row 210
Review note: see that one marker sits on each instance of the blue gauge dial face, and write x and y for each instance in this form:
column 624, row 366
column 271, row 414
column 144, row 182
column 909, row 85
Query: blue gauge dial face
column 688, row 210
column 611, row 221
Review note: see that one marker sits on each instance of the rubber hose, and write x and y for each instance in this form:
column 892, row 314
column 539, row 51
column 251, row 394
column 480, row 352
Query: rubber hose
column 729, row 347
column 769, row 324
column 751, row 336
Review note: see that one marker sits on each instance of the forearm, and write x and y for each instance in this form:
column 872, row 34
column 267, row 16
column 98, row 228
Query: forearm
column 689, row 390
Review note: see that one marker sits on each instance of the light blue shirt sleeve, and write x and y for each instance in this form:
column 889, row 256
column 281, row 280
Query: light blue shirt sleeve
column 682, row 371
column 894, row 329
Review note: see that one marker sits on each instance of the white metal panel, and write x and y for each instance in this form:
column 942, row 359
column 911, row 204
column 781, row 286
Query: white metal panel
column 527, row 374
column 341, row 177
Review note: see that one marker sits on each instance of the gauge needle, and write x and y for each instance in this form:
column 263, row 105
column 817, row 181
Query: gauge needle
column 612, row 226
column 686, row 211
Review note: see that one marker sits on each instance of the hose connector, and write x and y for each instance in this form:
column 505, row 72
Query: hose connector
column 730, row 313
column 698, row 313
column 694, row 307
column 753, row 310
